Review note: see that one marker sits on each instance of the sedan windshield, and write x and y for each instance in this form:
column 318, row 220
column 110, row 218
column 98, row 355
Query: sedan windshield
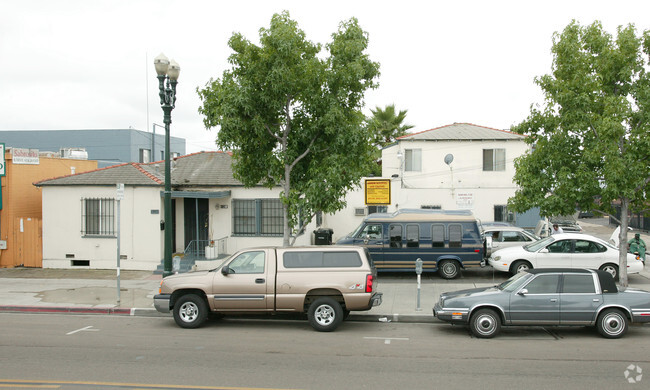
column 537, row 245
column 514, row 282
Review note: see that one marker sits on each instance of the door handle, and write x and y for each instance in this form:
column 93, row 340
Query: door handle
column 553, row 299
column 259, row 280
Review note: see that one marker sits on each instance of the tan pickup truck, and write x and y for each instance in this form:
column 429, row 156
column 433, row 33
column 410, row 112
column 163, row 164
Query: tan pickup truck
column 323, row 281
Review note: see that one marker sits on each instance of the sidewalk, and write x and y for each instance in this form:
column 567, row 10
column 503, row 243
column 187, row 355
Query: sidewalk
column 84, row 291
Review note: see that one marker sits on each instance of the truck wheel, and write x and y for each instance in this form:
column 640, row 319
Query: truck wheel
column 325, row 314
column 519, row 266
column 485, row 323
column 612, row 324
column 612, row 269
column 190, row 311
column 448, row 269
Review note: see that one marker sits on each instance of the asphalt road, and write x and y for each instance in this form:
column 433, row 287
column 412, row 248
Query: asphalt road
column 106, row 352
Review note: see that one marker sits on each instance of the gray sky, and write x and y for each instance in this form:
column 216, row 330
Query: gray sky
column 89, row 64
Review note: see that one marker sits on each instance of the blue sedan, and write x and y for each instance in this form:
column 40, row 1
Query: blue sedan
column 547, row 297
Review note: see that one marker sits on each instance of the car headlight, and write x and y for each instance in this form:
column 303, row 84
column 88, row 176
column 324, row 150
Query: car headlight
column 497, row 258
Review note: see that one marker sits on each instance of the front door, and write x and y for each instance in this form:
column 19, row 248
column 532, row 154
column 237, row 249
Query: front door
column 196, row 212
column 372, row 237
column 538, row 302
column 246, row 287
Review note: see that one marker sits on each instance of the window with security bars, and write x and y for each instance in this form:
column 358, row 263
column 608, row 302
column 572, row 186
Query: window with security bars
column 257, row 217
column 98, row 217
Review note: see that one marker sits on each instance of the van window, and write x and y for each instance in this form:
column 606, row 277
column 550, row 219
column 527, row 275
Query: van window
column 438, row 236
column 412, row 236
column 395, row 236
column 321, row 259
column 455, row 235
column 371, row 231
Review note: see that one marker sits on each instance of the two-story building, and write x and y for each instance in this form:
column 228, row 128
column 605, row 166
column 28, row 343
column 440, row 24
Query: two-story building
column 458, row 166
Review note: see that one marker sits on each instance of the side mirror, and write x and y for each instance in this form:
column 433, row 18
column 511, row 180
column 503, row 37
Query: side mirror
column 225, row 270
column 545, row 250
column 523, row 291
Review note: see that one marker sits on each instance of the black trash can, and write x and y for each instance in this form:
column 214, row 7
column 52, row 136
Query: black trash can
column 323, row 236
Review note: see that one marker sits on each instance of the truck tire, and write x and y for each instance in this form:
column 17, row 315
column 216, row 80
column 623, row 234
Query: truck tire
column 448, row 269
column 485, row 323
column 325, row 314
column 612, row 324
column 190, row 311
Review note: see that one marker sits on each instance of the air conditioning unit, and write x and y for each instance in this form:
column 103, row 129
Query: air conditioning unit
column 74, row 153
column 359, row 211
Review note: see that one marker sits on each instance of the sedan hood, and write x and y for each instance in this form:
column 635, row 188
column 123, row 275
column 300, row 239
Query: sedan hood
column 509, row 251
column 470, row 292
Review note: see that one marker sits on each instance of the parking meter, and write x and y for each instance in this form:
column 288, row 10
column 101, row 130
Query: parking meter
column 418, row 271
column 418, row 266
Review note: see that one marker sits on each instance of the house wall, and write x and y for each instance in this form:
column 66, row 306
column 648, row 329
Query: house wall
column 463, row 186
column 140, row 234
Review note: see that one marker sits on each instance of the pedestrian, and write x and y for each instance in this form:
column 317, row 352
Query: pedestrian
column 637, row 245
column 556, row 229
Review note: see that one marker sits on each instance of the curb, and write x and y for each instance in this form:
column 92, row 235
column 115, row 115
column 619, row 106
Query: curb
column 146, row 312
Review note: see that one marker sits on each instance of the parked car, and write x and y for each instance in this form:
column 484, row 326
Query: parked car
column 324, row 282
column 566, row 297
column 571, row 250
column 507, row 236
column 568, row 224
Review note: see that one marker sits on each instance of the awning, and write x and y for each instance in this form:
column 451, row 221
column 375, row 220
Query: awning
column 198, row 194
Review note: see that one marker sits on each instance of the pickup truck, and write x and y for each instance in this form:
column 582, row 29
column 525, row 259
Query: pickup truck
column 325, row 282
column 566, row 297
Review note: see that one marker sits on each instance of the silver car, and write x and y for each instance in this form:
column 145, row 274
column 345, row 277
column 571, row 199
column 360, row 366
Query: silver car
column 566, row 297
column 507, row 236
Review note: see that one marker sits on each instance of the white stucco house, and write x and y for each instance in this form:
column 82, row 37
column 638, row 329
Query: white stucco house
column 458, row 166
column 213, row 214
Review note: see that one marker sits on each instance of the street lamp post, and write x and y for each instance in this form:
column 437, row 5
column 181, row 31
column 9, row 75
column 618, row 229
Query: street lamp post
column 168, row 72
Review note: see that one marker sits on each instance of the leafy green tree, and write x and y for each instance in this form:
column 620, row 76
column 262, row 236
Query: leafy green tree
column 385, row 126
column 292, row 116
column 591, row 138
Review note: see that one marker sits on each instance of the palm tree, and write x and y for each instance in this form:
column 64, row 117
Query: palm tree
column 385, row 127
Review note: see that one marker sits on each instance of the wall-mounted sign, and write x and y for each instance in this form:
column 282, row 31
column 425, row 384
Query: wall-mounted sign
column 377, row 191
column 3, row 170
column 24, row 156
column 465, row 200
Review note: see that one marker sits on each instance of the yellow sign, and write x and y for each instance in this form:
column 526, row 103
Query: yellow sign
column 378, row 191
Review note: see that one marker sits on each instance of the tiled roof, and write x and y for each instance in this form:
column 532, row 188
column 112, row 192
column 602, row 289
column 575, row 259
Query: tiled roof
column 461, row 132
column 203, row 169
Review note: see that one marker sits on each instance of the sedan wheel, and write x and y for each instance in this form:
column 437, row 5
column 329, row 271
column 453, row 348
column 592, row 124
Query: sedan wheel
column 520, row 266
column 485, row 323
column 612, row 324
column 612, row 269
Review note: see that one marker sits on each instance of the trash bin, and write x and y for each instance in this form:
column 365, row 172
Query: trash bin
column 323, row 236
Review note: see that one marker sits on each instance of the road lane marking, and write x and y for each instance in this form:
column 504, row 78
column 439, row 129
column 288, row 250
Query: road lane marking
column 387, row 340
column 86, row 329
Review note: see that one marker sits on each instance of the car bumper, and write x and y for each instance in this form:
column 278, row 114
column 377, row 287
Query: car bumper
column 452, row 315
column 161, row 302
column 377, row 299
column 635, row 266
column 499, row 265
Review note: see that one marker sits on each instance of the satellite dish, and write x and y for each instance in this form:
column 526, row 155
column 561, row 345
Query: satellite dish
column 449, row 158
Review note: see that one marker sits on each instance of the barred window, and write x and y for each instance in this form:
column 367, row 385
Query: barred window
column 98, row 217
column 257, row 217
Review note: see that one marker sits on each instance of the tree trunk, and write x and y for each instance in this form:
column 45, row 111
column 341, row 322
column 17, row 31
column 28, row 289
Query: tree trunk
column 622, row 240
column 286, row 235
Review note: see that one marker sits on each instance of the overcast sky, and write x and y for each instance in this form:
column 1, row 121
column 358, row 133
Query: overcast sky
column 89, row 64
